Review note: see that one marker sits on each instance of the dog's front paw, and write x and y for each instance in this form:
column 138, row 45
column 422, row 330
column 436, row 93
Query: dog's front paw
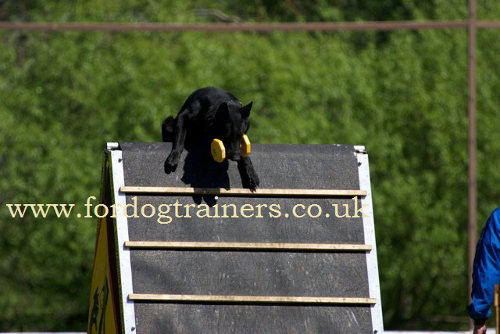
column 253, row 181
column 249, row 177
column 171, row 162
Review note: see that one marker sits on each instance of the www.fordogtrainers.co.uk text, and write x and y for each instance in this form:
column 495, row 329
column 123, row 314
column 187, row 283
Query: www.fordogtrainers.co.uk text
column 165, row 213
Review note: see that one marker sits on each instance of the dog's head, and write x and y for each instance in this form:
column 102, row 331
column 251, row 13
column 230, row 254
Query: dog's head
column 231, row 124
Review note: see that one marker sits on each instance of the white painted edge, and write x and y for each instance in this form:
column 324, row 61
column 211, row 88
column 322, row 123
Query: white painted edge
column 112, row 146
column 369, row 232
column 360, row 149
column 125, row 269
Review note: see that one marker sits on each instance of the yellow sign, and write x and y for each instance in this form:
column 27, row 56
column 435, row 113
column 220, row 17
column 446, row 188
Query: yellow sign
column 101, row 312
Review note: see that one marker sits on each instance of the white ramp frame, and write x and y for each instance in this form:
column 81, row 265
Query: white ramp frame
column 124, row 266
column 369, row 232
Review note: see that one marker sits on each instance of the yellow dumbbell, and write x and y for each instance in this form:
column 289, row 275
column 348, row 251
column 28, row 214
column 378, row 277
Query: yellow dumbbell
column 245, row 146
column 219, row 151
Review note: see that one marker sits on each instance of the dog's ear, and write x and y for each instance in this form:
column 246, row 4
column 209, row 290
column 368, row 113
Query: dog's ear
column 245, row 111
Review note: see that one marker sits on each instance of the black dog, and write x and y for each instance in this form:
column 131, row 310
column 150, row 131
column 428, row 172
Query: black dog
column 210, row 113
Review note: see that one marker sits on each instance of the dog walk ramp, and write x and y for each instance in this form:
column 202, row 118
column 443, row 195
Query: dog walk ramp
column 195, row 252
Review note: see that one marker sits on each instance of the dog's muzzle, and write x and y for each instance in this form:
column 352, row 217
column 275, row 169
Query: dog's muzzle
column 219, row 151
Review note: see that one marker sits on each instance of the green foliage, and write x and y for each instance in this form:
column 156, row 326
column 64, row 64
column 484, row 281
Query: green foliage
column 404, row 96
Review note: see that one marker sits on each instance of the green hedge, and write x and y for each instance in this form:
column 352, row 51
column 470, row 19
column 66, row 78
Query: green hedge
column 402, row 94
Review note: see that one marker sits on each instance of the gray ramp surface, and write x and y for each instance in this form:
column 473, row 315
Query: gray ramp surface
column 247, row 273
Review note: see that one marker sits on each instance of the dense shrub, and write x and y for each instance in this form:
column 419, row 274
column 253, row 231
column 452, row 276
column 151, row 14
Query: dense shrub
column 402, row 94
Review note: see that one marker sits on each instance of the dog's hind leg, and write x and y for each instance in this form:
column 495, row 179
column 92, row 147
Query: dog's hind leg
column 178, row 143
column 249, row 177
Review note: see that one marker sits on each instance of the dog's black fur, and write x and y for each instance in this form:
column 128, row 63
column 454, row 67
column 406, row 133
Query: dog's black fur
column 210, row 113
